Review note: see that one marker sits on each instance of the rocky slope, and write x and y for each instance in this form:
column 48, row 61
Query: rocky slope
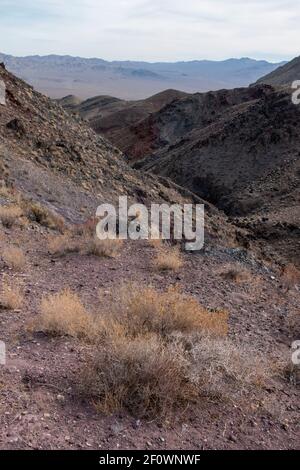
column 239, row 150
column 117, row 119
column 236, row 148
column 284, row 75
column 59, row 159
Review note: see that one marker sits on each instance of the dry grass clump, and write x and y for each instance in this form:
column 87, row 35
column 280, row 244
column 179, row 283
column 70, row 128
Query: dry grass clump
column 221, row 368
column 9, row 215
column 14, row 257
column 155, row 242
column 152, row 352
column 63, row 244
column 88, row 228
column 168, row 260
column 11, row 297
column 143, row 375
column 290, row 277
column 293, row 322
column 43, row 216
column 64, row 314
column 5, row 191
column 150, row 376
column 103, row 248
column 146, row 310
column 161, row 351
column 235, row 274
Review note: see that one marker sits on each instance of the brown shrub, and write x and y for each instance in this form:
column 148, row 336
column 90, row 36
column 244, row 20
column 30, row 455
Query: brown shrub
column 293, row 322
column 88, row 228
column 64, row 314
column 146, row 310
column 168, row 260
column 9, row 215
column 235, row 274
column 63, row 244
column 290, row 276
column 103, row 248
column 14, row 257
column 11, row 297
column 150, row 376
column 221, row 368
column 143, row 375
column 155, row 242
column 43, row 216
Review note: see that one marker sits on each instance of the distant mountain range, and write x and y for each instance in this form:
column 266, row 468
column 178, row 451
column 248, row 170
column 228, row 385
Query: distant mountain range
column 58, row 76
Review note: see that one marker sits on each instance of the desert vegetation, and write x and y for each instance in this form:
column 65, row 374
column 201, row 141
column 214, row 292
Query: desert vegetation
column 14, row 257
column 42, row 215
column 108, row 248
column 64, row 314
column 167, row 259
column 151, row 352
column 11, row 296
column 9, row 215
column 290, row 277
column 85, row 244
column 236, row 274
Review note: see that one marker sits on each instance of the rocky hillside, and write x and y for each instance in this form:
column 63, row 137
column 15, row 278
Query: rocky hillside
column 284, row 75
column 238, row 149
column 58, row 159
column 117, row 119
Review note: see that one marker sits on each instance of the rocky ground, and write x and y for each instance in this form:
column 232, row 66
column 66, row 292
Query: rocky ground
column 39, row 405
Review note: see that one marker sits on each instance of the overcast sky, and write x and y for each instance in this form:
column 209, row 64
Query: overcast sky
column 152, row 30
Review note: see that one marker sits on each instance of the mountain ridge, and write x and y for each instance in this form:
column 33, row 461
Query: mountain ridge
column 58, row 76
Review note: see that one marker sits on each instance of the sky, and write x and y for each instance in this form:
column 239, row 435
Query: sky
column 152, row 30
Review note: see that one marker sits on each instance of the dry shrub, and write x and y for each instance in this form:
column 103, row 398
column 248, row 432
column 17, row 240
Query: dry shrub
column 5, row 191
column 156, row 241
column 9, row 215
column 14, row 257
column 63, row 244
column 108, row 248
column 168, row 260
column 152, row 376
column 153, row 352
column 88, row 228
column 143, row 375
column 11, row 297
column 146, row 310
column 221, row 368
column 290, row 276
column 235, row 274
column 64, row 314
column 43, row 216
column 293, row 322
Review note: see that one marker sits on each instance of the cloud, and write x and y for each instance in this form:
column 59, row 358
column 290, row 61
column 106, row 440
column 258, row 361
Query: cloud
column 152, row 30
